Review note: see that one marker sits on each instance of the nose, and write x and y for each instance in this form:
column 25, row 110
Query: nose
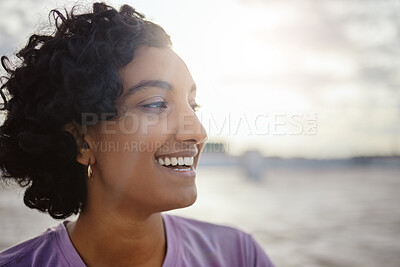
column 190, row 129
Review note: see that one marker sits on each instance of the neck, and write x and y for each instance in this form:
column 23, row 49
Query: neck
column 108, row 238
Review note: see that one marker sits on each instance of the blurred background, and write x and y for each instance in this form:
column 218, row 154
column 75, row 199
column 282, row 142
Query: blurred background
column 301, row 101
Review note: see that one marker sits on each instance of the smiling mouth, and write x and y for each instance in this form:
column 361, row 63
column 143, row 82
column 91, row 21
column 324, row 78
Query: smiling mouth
column 176, row 163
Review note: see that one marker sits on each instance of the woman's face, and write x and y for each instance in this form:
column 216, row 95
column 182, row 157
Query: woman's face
column 157, row 121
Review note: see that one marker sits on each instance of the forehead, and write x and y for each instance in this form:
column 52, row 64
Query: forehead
column 150, row 63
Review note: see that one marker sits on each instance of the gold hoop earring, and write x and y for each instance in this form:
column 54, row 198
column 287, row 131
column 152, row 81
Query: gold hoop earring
column 89, row 170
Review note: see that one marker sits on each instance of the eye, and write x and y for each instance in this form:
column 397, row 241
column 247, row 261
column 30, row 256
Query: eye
column 159, row 105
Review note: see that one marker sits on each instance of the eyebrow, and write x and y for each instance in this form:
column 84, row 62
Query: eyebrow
column 142, row 85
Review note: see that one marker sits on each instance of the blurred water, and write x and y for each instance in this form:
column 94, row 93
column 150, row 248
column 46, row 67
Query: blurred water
column 302, row 216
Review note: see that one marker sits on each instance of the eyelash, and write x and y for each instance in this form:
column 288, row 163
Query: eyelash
column 163, row 105
column 196, row 107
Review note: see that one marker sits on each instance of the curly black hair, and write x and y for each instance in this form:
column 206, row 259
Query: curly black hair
column 59, row 77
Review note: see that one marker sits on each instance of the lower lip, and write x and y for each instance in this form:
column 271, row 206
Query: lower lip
column 189, row 173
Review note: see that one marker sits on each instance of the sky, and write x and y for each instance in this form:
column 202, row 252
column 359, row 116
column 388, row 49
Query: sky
column 292, row 78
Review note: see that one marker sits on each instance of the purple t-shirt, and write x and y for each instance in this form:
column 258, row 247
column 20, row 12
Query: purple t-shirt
column 189, row 243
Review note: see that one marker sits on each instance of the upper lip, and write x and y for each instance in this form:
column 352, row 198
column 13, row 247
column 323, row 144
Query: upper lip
column 183, row 153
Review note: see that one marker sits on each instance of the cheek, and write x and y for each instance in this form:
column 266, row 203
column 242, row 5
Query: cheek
column 142, row 124
column 136, row 133
column 126, row 149
column 148, row 134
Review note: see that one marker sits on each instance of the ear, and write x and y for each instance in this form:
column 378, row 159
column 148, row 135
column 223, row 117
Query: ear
column 86, row 153
column 85, row 143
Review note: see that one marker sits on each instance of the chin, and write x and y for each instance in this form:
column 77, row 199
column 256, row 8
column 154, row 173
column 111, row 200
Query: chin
column 182, row 200
column 189, row 201
column 187, row 198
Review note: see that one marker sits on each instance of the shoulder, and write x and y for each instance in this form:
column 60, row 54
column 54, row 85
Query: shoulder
column 223, row 243
column 38, row 251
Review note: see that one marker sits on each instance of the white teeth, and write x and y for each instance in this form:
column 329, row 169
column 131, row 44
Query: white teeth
column 182, row 170
column 188, row 161
column 174, row 161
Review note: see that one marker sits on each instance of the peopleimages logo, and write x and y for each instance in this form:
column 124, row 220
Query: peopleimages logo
column 284, row 123
column 261, row 124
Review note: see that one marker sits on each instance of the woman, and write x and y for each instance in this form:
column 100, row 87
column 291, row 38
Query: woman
column 100, row 122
